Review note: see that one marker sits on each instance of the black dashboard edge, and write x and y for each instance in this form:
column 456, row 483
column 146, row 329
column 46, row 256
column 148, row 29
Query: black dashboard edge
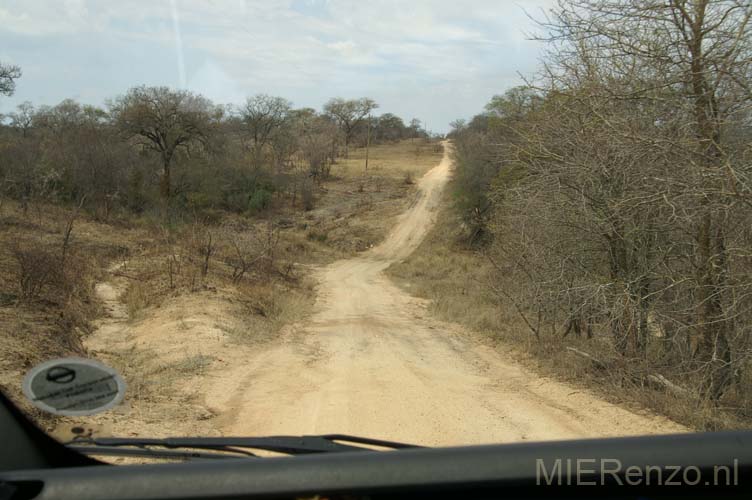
column 720, row 462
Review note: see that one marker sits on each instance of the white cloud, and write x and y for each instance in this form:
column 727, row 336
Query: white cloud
column 214, row 82
column 307, row 48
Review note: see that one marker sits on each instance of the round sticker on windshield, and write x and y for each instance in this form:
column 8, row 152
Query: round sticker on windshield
column 73, row 387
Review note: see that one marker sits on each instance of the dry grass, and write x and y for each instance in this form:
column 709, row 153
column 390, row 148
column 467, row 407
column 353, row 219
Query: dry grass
column 136, row 299
column 391, row 160
column 354, row 208
column 453, row 278
column 269, row 308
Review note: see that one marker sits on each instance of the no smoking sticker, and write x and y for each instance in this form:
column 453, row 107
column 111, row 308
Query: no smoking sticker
column 73, row 387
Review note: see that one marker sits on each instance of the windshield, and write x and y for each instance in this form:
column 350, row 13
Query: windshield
column 442, row 223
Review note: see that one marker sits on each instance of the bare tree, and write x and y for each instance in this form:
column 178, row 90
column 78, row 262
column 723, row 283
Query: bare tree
column 697, row 56
column 416, row 128
column 164, row 121
column 262, row 117
column 22, row 118
column 617, row 187
column 349, row 114
column 315, row 134
column 9, row 73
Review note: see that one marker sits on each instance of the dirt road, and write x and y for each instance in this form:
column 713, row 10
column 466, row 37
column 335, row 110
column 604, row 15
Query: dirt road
column 369, row 362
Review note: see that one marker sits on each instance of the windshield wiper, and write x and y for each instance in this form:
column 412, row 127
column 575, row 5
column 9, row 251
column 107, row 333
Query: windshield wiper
column 229, row 447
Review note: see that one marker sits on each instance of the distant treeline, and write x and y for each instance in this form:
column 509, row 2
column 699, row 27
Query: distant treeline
column 156, row 148
column 613, row 194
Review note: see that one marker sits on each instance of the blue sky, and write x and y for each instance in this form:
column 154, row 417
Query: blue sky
column 435, row 60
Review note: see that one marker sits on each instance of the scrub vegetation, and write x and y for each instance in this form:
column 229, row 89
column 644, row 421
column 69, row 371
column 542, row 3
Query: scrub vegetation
column 607, row 204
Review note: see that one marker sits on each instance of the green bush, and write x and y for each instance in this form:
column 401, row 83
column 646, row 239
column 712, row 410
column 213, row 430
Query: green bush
column 260, row 200
column 236, row 202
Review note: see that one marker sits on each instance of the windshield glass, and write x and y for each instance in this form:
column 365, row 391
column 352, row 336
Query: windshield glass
column 435, row 223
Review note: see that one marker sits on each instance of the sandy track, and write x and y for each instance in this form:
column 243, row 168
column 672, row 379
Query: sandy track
column 369, row 362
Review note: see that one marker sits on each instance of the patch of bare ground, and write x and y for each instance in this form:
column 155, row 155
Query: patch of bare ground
column 50, row 260
column 171, row 329
column 453, row 278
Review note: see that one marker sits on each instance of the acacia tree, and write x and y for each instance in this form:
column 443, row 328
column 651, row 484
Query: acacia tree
column 416, row 128
column 165, row 121
column 22, row 119
column 9, row 73
column 389, row 127
column 349, row 114
column 315, row 133
column 262, row 117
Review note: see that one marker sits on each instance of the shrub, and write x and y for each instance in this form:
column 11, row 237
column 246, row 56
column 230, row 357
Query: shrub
column 260, row 200
column 37, row 269
column 314, row 235
column 306, row 194
column 136, row 298
column 199, row 200
column 44, row 272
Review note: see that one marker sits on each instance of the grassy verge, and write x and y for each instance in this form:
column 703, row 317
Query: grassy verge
column 395, row 160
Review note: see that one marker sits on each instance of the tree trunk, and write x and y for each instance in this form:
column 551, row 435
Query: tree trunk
column 164, row 183
column 368, row 141
column 712, row 346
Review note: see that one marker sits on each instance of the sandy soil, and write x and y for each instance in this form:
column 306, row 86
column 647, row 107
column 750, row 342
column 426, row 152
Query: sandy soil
column 165, row 359
column 370, row 362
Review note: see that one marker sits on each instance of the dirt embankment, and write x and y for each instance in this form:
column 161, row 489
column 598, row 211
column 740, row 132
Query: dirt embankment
column 368, row 361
